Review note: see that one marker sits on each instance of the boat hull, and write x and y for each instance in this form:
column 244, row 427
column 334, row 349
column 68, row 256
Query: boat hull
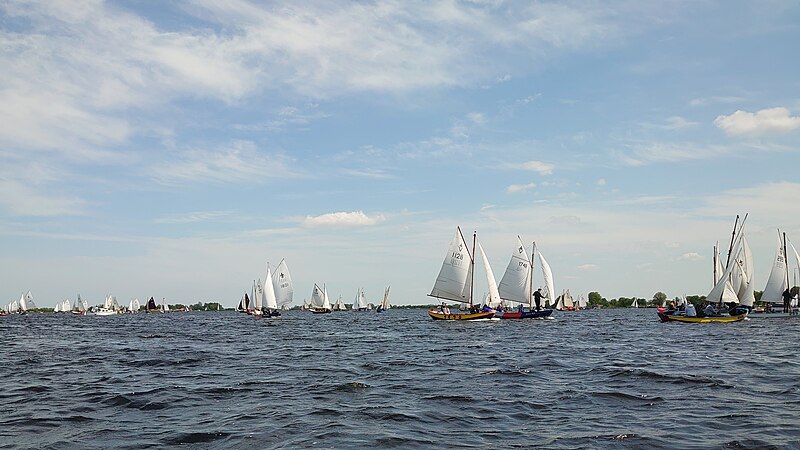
column 436, row 315
column 723, row 319
column 772, row 315
column 527, row 314
column 320, row 311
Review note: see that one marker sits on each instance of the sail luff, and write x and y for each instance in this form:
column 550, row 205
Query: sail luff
column 547, row 273
column 494, row 294
column 515, row 285
column 776, row 283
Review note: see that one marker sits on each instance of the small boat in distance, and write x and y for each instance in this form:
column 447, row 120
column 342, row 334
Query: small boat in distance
column 320, row 304
column 455, row 281
column 384, row 306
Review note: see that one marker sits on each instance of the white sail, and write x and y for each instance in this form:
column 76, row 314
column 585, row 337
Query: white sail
column 515, row 285
column 549, row 288
column 747, row 295
column 282, row 284
column 57, row 307
column 455, row 277
column 718, row 269
column 494, row 295
column 567, row 301
column 776, row 283
column 270, row 299
column 723, row 292
column 258, row 297
column 385, row 303
column 317, row 297
column 326, row 302
column 635, row 303
column 134, row 305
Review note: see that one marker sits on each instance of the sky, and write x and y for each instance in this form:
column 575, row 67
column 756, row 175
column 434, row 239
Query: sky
column 172, row 149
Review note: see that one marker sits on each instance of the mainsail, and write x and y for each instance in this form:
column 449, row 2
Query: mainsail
column 270, row 300
column 455, row 277
column 515, row 285
column 282, row 285
column 549, row 288
column 776, row 283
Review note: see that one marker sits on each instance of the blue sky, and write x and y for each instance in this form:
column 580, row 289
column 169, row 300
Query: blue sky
column 171, row 149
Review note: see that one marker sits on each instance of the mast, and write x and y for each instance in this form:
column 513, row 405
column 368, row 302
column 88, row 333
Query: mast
column 472, row 266
column 786, row 259
column 714, row 281
column 733, row 236
column 530, row 293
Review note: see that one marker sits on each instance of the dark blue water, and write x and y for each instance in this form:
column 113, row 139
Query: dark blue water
column 591, row 379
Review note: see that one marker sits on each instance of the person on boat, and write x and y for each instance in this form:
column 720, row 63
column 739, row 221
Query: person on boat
column 690, row 310
column 671, row 308
column 521, row 308
column 487, row 308
column 537, row 298
column 710, row 310
column 787, row 299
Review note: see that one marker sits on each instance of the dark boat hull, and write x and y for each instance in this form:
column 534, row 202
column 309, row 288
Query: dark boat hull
column 436, row 315
column 527, row 314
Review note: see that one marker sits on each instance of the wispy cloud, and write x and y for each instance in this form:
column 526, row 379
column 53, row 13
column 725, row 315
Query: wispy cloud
column 672, row 123
column 704, row 101
column 516, row 188
column 765, row 121
column 542, row 168
column 192, row 217
column 342, row 220
column 587, row 267
column 238, row 162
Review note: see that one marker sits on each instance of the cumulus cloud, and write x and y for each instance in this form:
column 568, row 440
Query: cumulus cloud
column 515, row 188
column 765, row 121
column 692, row 256
column 342, row 220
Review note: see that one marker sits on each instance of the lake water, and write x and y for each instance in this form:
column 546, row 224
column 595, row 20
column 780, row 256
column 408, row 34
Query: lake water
column 590, row 379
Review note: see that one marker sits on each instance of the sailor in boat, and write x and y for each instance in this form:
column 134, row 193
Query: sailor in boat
column 710, row 311
column 690, row 310
column 537, row 298
column 444, row 309
column 787, row 300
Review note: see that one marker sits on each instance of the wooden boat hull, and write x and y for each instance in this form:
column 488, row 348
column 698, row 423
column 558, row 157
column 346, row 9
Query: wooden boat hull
column 436, row 315
column 320, row 311
column 723, row 319
column 527, row 314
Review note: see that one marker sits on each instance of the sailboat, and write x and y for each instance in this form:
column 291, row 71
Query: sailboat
column 734, row 288
column 384, row 306
column 339, row 305
column 151, row 305
column 360, row 302
column 109, row 308
column 134, row 306
column 517, row 284
column 270, row 302
column 80, row 307
column 244, row 303
column 320, row 304
column 455, row 281
column 778, row 284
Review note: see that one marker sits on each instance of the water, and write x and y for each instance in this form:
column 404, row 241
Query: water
column 591, row 379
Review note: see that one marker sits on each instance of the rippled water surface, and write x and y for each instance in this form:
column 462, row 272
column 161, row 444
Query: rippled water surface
column 591, row 379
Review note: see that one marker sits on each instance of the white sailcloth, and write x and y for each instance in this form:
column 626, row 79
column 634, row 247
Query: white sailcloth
column 270, row 300
column 515, row 285
column 282, row 284
column 494, row 294
column 317, row 297
column 549, row 288
column 326, row 303
column 385, row 303
column 258, row 297
column 776, row 283
column 455, row 277
column 723, row 292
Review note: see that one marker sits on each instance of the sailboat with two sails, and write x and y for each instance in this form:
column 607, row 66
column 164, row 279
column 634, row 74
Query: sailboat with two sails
column 455, row 281
column 517, row 284
column 777, row 291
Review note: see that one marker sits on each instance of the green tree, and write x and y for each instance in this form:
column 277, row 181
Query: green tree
column 595, row 299
column 659, row 298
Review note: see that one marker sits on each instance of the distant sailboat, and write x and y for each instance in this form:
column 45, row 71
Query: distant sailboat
column 384, row 306
column 282, row 285
column 360, row 302
column 320, row 304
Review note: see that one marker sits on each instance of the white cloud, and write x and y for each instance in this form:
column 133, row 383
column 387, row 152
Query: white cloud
column 692, row 256
column 601, row 181
column 342, row 220
column 587, row 267
column 540, row 167
column 765, row 121
column 515, row 188
column 22, row 199
column 703, row 101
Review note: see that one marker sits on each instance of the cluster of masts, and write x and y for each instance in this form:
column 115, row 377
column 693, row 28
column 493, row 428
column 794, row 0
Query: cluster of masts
column 320, row 302
column 79, row 306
